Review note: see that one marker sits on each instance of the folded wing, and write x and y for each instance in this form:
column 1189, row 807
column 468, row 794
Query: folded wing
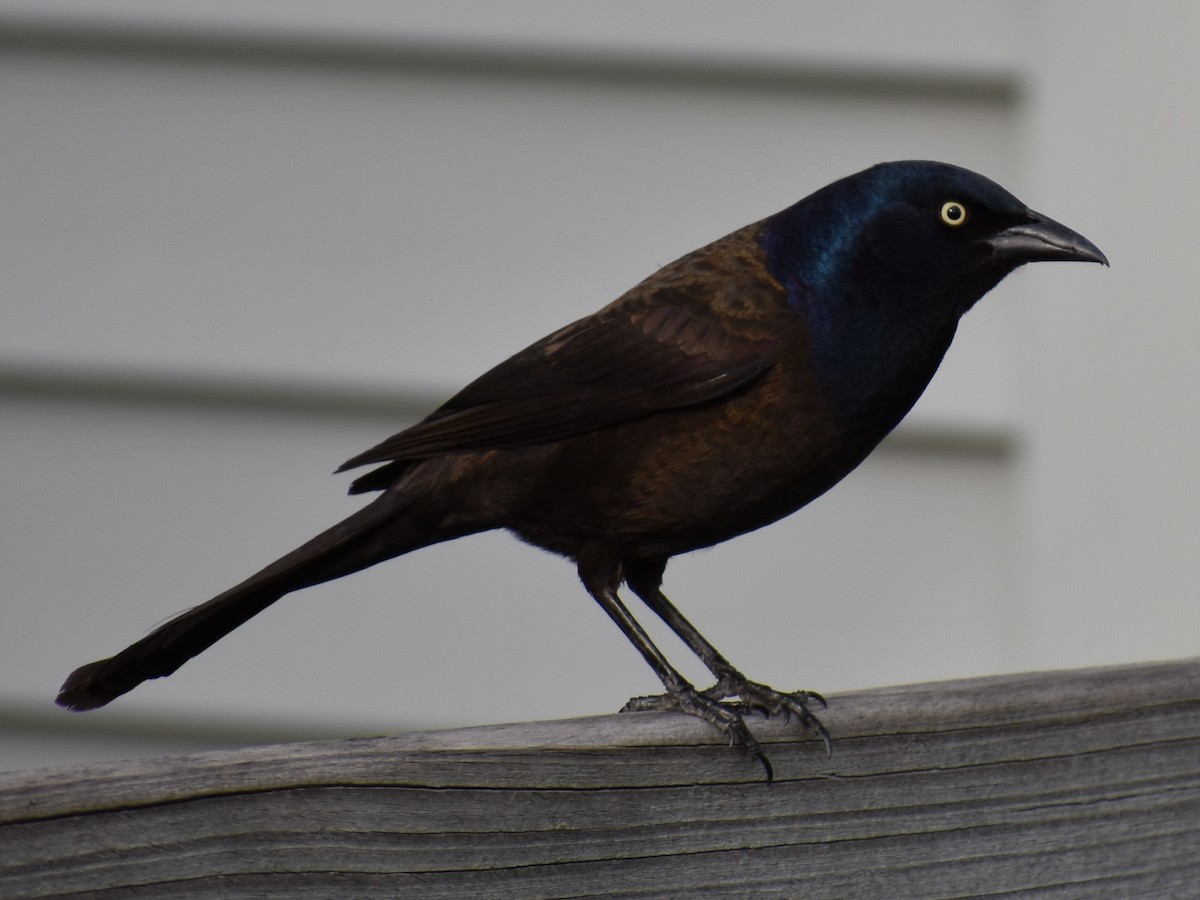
column 646, row 352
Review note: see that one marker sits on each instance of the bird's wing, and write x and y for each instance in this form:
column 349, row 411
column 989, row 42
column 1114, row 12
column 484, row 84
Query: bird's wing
column 654, row 349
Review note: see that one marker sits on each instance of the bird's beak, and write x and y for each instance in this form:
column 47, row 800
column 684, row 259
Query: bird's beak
column 1041, row 239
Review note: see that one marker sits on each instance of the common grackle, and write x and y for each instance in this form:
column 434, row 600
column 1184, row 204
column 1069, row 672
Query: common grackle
column 725, row 391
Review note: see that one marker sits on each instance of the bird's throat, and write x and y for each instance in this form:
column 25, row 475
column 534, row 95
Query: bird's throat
column 874, row 365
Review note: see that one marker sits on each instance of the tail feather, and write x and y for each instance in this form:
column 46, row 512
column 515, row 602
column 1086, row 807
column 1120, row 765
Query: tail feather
column 375, row 533
column 162, row 651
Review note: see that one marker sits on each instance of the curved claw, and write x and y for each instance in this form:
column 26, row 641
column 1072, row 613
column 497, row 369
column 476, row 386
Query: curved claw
column 728, row 721
column 823, row 734
column 805, row 696
column 740, row 734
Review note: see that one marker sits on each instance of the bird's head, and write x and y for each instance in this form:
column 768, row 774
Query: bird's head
column 919, row 229
column 881, row 265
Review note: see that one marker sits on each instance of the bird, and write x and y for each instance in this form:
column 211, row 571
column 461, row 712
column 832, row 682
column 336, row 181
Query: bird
column 725, row 391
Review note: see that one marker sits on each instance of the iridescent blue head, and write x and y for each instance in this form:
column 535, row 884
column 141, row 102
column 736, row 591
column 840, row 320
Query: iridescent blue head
column 913, row 228
column 881, row 265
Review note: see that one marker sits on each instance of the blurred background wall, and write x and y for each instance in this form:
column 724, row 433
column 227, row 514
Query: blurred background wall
column 241, row 242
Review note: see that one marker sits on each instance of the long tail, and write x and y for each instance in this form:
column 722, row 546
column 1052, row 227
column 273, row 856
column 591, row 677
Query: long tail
column 375, row 533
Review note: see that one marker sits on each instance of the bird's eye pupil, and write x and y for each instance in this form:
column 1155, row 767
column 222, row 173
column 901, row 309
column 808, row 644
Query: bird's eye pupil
column 953, row 213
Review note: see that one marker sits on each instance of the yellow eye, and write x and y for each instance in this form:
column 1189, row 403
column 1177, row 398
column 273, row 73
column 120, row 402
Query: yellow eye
column 954, row 213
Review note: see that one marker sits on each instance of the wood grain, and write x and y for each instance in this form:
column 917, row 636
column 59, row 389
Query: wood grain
column 1082, row 783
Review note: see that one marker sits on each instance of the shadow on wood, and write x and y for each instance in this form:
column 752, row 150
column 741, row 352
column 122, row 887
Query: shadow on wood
column 1086, row 783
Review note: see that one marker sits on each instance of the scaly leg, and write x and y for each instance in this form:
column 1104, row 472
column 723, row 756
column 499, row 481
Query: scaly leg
column 644, row 579
column 683, row 696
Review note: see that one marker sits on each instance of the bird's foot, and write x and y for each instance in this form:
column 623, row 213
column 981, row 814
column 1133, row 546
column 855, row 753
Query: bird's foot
column 747, row 697
column 751, row 696
column 726, row 718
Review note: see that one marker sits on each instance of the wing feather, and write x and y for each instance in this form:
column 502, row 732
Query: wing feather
column 673, row 341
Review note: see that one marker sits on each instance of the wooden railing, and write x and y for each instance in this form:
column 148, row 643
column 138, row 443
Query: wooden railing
column 1086, row 783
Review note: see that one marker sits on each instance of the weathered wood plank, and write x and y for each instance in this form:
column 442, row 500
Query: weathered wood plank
column 1079, row 783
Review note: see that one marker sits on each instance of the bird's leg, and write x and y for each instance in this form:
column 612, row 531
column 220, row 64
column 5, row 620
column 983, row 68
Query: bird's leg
column 644, row 580
column 684, row 697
